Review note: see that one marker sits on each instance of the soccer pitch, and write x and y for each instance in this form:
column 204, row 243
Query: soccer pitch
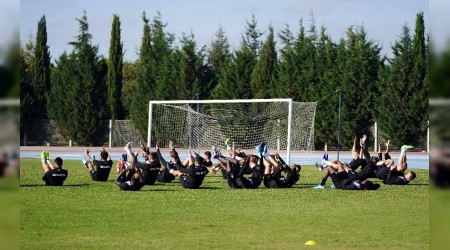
column 84, row 214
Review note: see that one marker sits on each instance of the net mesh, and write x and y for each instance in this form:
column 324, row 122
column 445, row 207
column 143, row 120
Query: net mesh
column 203, row 125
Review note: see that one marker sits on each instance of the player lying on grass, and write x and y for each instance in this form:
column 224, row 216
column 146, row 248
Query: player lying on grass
column 343, row 178
column 395, row 175
column 149, row 168
column 102, row 167
column 235, row 154
column 388, row 166
column 235, row 170
column 132, row 181
column 191, row 173
column 273, row 166
column 373, row 169
column 54, row 174
column 164, row 175
column 356, row 162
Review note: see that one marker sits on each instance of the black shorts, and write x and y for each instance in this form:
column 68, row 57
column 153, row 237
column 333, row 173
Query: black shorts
column 339, row 179
column 51, row 183
column 165, row 176
column 185, row 182
column 233, row 180
column 269, row 181
column 96, row 177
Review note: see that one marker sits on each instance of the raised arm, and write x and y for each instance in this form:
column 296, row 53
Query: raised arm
column 88, row 156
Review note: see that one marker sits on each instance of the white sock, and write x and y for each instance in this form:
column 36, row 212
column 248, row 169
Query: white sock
column 327, row 163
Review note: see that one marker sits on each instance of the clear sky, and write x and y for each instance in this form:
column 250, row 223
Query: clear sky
column 382, row 19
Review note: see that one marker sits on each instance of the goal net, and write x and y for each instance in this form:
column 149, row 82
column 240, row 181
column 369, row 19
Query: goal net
column 282, row 123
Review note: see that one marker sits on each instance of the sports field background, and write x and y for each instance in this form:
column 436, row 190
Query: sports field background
column 90, row 215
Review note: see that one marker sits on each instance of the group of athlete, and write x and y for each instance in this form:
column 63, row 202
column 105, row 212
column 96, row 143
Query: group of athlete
column 240, row 170
column 344, row 175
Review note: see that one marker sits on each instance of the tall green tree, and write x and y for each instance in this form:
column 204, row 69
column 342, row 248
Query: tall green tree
column 191, row 69
column 326, row 119
column 219, row 56
column 114, row 76
column 41, row 71
column 403, row 105
column 153, row 76
column 160, row 50
column 420, row 82
column 358, row 66
column 128, row 81
column 78, row 94
column 144, row 85
column 27, row 98
column 263, row 74
column 286, row 67
column 235, row 81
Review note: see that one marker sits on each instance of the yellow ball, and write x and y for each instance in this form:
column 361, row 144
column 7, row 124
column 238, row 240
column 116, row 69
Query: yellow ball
column 310, row 243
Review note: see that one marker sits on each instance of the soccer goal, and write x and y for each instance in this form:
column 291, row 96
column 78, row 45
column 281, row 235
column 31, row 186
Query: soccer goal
column 199, row 124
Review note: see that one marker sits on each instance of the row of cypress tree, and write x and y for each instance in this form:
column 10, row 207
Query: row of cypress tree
column 82, row 88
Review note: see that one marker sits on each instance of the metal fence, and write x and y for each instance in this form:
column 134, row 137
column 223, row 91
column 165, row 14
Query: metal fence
column 46, row 133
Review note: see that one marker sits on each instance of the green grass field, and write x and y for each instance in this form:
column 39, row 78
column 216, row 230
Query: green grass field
column 90, row 215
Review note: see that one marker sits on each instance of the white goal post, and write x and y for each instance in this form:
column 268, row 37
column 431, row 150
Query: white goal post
column 199, row 124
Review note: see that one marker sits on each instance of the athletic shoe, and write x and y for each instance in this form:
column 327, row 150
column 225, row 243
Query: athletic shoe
column 123, row 157
column 319, row 187
column 216, row 152
column 43, row 156
column 319, row 167
column 171, row 144
column 227, row 141
column 405, row 148
column 265, row 152
column 325, row 157
column 260, row 148
column 83, row 159
column 127, row 147
column 332, row 186
column 158, row 144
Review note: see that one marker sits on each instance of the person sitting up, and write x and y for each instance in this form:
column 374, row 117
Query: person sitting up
column 102, row 167
column 192, row 176
column 54, row 174
column 273, row 169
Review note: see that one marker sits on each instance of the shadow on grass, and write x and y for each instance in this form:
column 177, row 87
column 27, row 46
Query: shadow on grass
column 418, row 184
column 156, row 190
column 43, row 185
column 304, row 186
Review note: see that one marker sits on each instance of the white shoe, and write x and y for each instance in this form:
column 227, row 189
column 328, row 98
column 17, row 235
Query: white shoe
column 127, row 147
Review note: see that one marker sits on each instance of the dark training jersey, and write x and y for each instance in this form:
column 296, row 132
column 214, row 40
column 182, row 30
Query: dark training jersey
column 149, row 171
column 194, row 176
column 55, row 177
column 393, row 179
column 102, row 170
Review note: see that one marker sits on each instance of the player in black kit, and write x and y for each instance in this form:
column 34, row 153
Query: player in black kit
column 54, row 175
column 192, row 176
column 132, row 181
column 102, row 167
